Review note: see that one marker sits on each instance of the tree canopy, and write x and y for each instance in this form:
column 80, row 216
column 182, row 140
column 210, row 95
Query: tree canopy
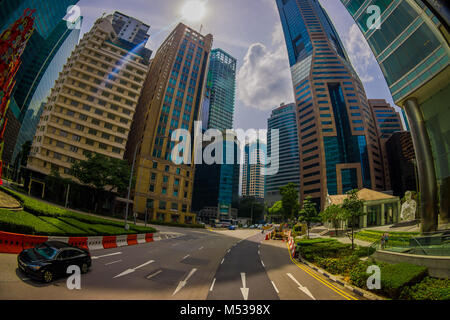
column 102, row 172
column 308, row 213
column 289, row 201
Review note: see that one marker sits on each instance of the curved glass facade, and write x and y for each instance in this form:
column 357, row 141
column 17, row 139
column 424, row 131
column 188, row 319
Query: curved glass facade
column 52, row 58
column 283, row 119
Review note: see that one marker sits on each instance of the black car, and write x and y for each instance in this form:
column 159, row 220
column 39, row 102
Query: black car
column 51, row 259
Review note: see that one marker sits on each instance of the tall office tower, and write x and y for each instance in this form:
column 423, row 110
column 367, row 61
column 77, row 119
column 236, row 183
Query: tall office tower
column 222, row 79
column 51, row 58
column 339, row 147
column 402, row 163
column 171, row 99
column 253, row 179
column 283, row 119
column 91, row 106
column 388, row 121
column 216, row 186
column 412, row 48
column 130, row 29
column 47, row 34
column 220, row 182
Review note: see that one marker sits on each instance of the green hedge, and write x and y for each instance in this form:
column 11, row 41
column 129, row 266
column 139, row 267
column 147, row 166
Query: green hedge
column 71, row 222
column 25, row 223
column 428, row 289
column 395, row 278
column 313, row 250
column 395, row 238
column 68, row 229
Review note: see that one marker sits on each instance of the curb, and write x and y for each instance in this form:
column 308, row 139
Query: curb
column 360, row 292
column 16, row 243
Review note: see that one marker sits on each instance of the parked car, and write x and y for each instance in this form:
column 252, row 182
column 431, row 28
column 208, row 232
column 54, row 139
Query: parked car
column 232, row 228
column 51, row 259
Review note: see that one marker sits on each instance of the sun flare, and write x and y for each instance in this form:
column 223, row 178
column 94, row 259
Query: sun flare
column 194, row 10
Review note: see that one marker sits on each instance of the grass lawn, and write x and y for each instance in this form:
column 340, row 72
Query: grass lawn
column 39, row 218
column 395, row 238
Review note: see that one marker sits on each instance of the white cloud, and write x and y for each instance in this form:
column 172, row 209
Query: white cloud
column 264, row 80
column 360, row 53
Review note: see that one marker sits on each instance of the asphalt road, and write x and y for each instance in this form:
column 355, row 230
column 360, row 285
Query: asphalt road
column 186, row 265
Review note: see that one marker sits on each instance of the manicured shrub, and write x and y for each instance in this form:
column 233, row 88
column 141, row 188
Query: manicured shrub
column 342, row 266
column 428, row 289
column 25, row 223
column 358, row 275
column 70, row 223
column 67, row 228
column 396, row 277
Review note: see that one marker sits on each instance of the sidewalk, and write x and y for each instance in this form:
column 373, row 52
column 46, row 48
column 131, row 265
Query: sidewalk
column 358, row 242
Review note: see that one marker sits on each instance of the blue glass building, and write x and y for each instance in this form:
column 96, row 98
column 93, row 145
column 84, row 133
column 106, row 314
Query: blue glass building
column 51, row 60
column 283, row 119
column 222, row 79
column 48, row 15
column 216, row 187
column 338, row 142
column 412, row 48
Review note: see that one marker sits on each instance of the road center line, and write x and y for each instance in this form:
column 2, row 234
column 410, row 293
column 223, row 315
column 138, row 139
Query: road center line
column 275, row 287
column 262, row 262
column 212, row 286
column 185, row 257
column 200, row 248
column 108, row 264
column 107, row 255
column 154, row 274
column 222, row 261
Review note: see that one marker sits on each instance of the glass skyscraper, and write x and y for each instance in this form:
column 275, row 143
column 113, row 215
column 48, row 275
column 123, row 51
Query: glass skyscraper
column 217, row 186
column 253, row 179
column 48, row 16
column 338, row 143
column 51, row 60
column 283, row 119
column 413, row 52
column 222, row 79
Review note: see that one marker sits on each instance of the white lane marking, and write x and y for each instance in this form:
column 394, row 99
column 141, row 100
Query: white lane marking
column 201, row 248
column 212, row 286
column 259, row 252
column 262, row 262
column 244, row 289
column 275, row 287
column 154, row 274
column 108, row 264
column 228, row 250
column 107, row 255
column 302, row 288
column 183, row 283
column 186, row 257
column 222, row 261
column 133, row 270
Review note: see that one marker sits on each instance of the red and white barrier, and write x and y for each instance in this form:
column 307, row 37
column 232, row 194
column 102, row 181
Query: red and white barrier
column 291, row 245
column 16, row 243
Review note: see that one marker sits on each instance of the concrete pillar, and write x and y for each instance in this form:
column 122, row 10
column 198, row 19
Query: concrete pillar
column 428, row 207
column 364, row 218
column 383, row 212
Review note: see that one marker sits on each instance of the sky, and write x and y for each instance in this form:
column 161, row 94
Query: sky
column 249, row 30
